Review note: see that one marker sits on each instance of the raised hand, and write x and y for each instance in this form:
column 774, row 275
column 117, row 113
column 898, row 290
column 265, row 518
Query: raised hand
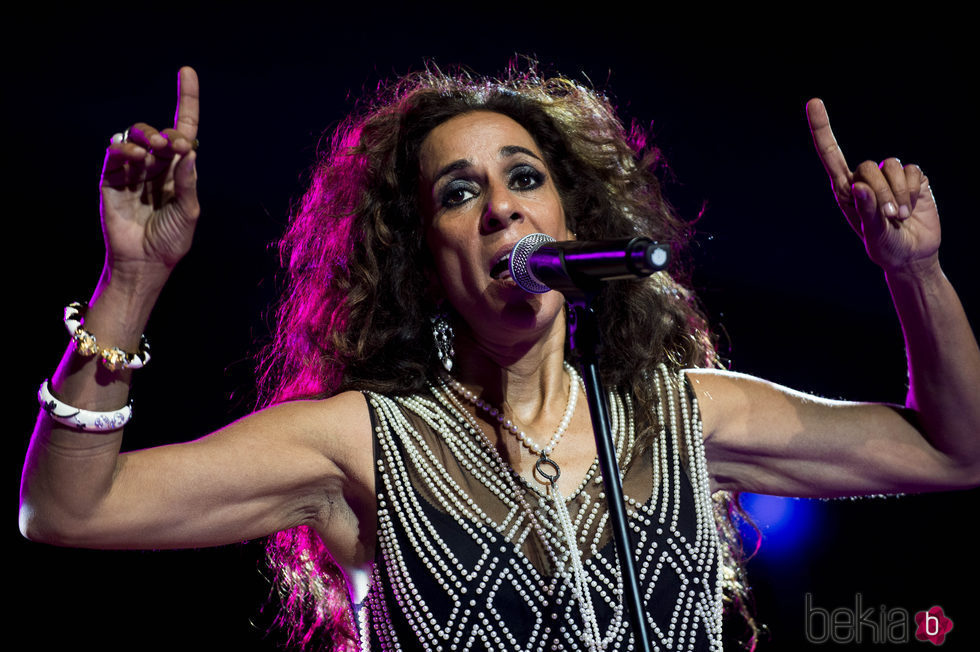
column 889, row 205
column 149, row 191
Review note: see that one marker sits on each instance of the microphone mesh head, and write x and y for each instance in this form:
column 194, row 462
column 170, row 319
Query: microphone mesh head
column 520, row 271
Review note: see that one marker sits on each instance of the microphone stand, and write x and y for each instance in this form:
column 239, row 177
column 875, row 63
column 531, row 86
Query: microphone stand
column 583, row 332
column 577, row 270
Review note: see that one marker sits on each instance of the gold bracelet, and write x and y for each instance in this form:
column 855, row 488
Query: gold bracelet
column 86, row 345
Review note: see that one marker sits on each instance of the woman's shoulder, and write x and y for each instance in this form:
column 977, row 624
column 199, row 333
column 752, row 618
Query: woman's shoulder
column 344, row 408
column 338, row 427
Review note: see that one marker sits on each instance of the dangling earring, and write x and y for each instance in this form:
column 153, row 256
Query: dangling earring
column 443, row 334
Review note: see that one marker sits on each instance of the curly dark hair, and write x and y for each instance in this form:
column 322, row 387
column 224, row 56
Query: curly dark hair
column 355, row 315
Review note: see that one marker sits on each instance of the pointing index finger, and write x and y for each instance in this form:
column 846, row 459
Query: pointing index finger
column 827, row 148
column 188, row 103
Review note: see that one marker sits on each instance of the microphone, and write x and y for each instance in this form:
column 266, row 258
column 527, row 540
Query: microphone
column 539, row 263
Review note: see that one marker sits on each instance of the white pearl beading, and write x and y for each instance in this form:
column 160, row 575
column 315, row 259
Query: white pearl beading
column 579, row 586
column 674, row 537
column 498, row 414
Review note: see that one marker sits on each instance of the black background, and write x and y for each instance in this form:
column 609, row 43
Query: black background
column 785, row 281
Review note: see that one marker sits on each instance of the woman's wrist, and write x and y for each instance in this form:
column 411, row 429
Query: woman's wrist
column 922, row 273
column 135, row 281
column 120, row 308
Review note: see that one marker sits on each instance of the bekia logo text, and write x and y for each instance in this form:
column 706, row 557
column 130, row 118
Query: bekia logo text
column 845, row 625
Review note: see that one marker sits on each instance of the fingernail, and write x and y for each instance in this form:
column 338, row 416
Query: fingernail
column 904, row 212
column 889, row 209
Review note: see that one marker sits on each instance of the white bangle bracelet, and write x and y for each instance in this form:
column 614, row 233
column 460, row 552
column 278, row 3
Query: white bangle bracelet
column 73, row 417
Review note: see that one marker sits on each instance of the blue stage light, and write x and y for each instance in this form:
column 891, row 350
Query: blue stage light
column 787, row 524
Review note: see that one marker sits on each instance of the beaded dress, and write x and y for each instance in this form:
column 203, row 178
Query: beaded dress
column 471, row 557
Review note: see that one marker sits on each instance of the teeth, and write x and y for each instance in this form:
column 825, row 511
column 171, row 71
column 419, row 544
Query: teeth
column 500, row 267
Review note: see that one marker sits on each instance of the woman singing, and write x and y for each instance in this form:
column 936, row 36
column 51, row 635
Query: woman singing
column 422, row 444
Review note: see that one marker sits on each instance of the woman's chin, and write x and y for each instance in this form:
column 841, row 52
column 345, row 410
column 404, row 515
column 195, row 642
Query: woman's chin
column 530, row 314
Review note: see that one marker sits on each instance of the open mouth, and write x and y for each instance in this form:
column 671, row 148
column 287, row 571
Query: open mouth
column 501, row 267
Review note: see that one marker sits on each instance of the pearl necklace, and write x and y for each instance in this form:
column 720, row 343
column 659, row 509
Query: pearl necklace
column 579, row 585
column 544, row 454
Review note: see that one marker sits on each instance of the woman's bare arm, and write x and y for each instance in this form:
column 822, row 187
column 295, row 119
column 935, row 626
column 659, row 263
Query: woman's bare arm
column 765, row 438
column 291, row 464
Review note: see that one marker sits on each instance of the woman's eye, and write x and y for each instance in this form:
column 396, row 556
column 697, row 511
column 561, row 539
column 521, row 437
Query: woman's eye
column 525, row 178
column 457, row 193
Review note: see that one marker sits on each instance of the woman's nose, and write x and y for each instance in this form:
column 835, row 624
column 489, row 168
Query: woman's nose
column 502, row 208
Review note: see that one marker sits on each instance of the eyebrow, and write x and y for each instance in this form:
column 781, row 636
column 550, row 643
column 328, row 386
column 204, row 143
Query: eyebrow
column 505, row 152
column 510, row 150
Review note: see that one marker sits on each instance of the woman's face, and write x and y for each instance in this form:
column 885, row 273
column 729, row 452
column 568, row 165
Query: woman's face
column 484, row 185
